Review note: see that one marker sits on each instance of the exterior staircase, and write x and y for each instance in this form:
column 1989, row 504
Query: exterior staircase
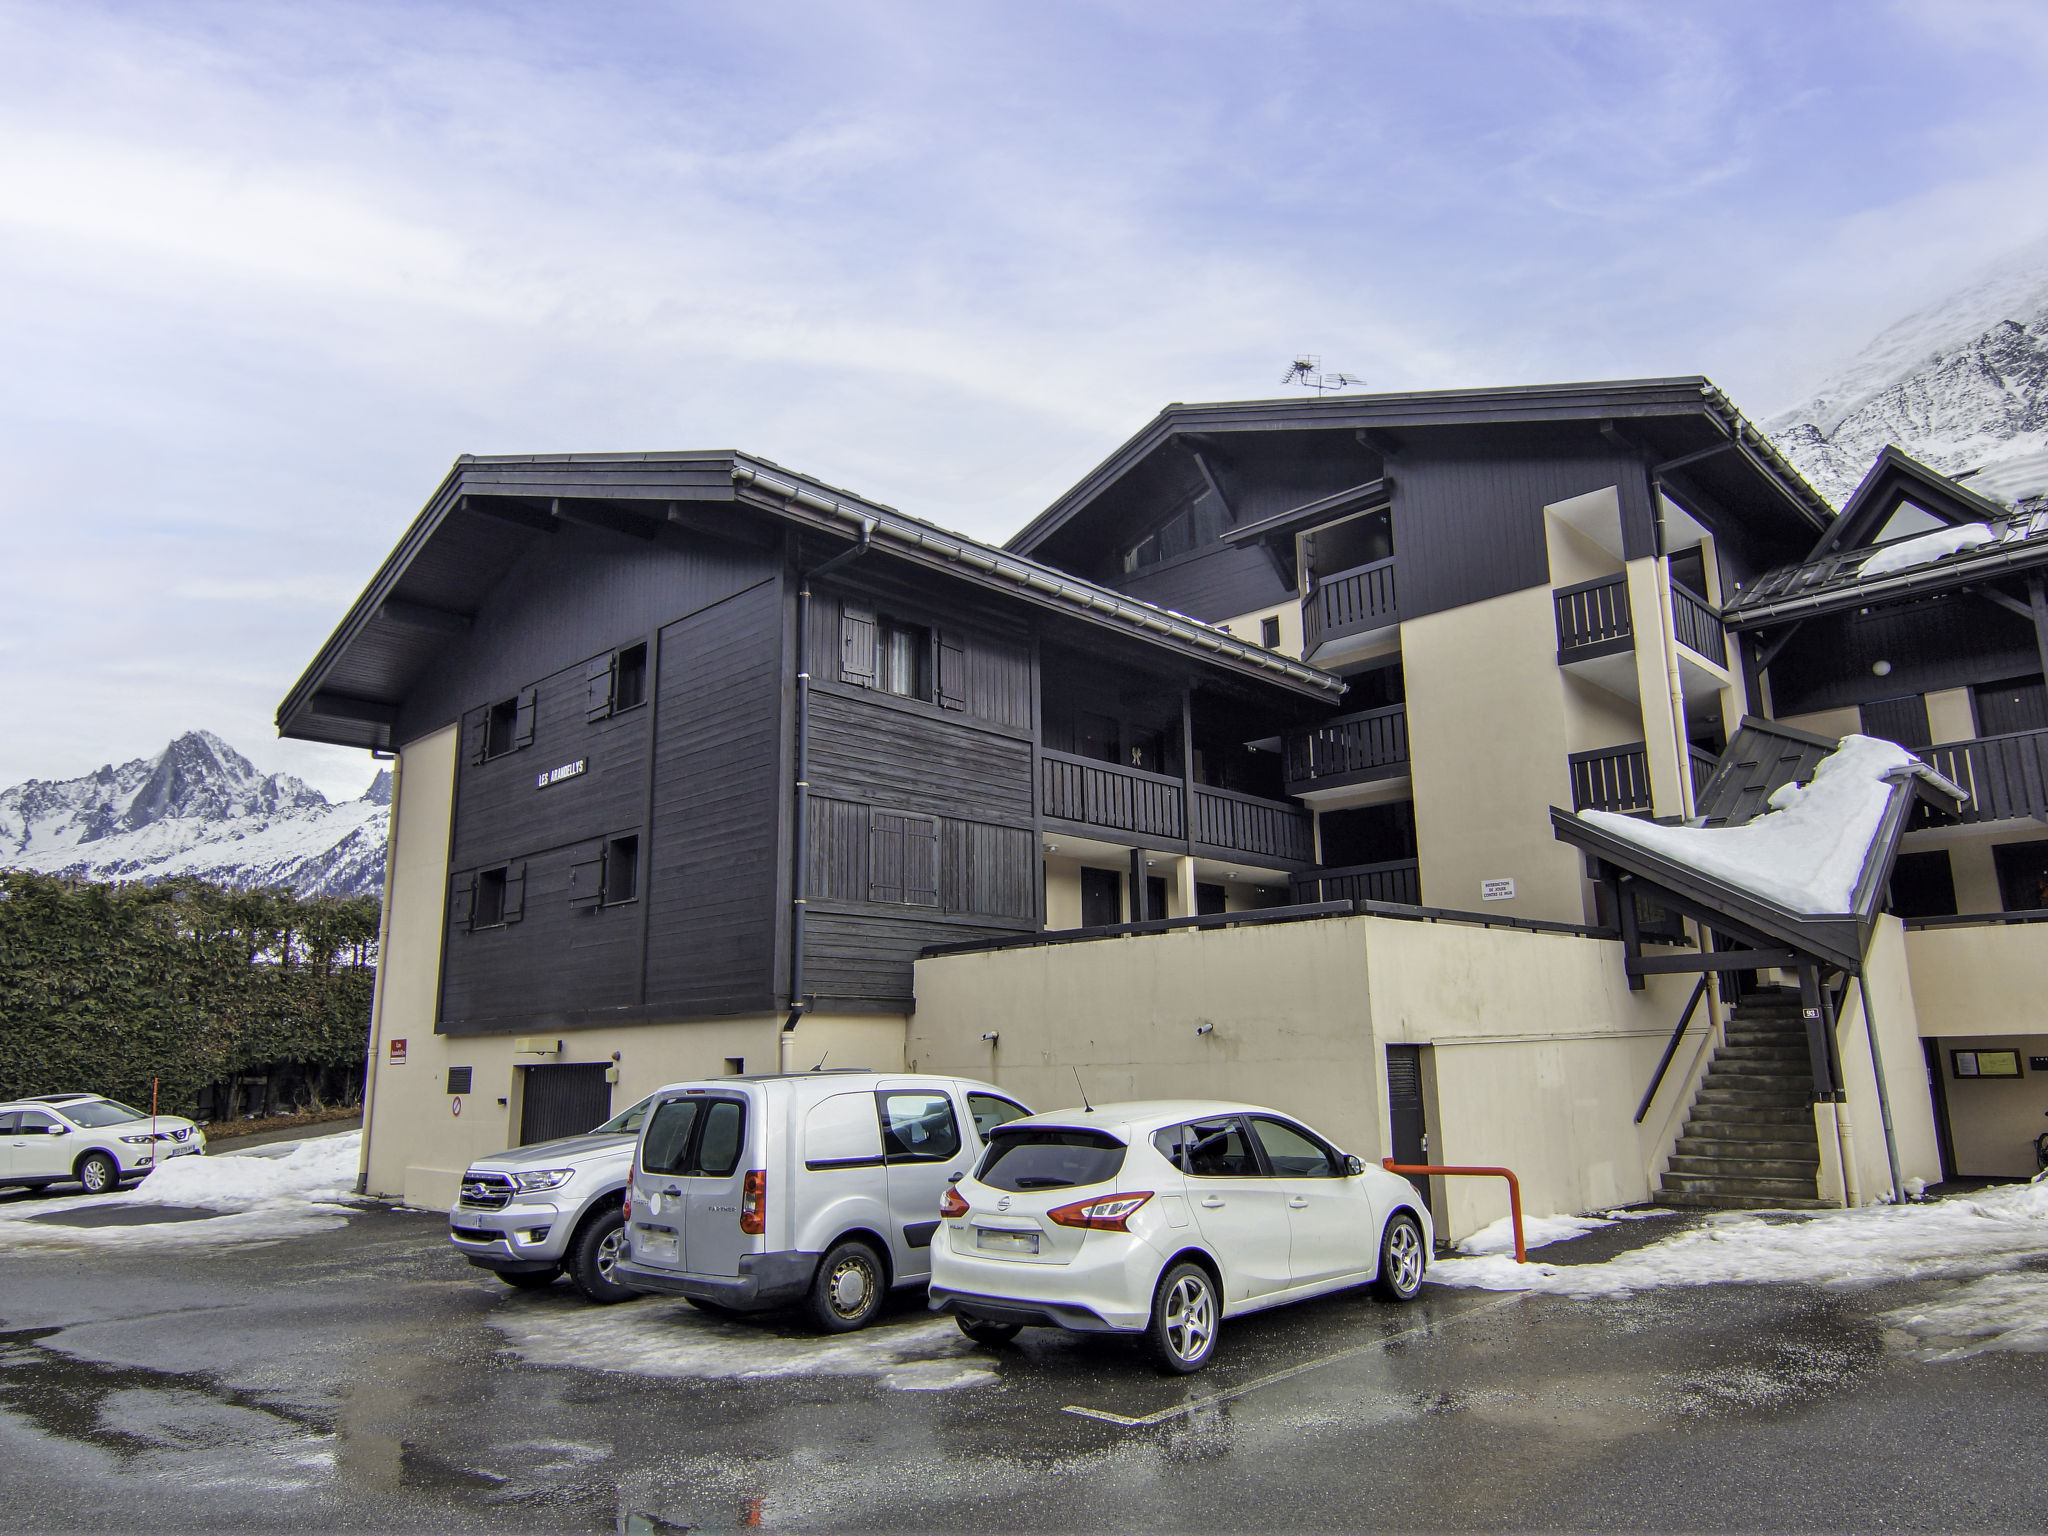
column 1750, row 1140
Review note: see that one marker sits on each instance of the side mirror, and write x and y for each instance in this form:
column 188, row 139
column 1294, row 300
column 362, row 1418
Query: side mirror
column 60, row 1130
column 1353, row 1165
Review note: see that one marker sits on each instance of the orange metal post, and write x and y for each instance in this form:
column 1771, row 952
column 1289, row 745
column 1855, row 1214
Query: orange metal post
column 1514, row 1191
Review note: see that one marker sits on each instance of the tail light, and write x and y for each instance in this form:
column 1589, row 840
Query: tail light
column 754, row 1203
column 1104, row 1215
column 632, row 1178
column 950, row 1203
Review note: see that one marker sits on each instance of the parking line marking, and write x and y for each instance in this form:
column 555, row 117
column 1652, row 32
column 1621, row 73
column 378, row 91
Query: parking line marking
column 1124, row 1421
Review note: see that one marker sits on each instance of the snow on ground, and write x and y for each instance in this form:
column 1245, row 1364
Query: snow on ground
column 257, row 1198
column 1990, row 1234
column 1807, row 851
column 1926, row 549
column 1536, row 1231
column 662, row 1336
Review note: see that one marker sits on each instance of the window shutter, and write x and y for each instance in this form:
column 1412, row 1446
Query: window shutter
column 885, row 856
column 921, row 861
column 586, row 882
column 857, row 647
column 462, row 901
column 515, row 893
column 479, row 735
column 952, row 689
column 522, row 728
column 597, row 683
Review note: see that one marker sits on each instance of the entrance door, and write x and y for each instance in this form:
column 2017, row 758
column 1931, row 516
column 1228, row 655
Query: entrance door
column 1102, row 898
column 1405, row 1112
column 569, row 1099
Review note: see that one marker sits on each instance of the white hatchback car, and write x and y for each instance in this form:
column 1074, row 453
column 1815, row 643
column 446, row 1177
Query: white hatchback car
column 1162, row 1219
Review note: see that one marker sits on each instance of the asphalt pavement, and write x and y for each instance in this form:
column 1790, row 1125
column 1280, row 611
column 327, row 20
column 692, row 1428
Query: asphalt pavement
column 367, row 1379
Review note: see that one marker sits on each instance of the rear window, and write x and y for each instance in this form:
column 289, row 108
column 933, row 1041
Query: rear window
column 1049, row 1159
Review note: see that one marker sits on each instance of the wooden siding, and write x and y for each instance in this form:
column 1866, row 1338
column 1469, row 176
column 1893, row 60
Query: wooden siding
column 1954, row 641
column 983, row 870
column 877, row 749
column 1212, row 584
column 995, row 673
column 860, row 960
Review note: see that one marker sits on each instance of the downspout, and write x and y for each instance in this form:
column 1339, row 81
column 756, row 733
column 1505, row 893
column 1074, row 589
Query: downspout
column 1667, row 635
column 800, row 830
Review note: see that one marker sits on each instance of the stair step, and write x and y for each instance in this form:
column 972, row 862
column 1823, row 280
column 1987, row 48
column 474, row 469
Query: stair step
column 1792, row 1055
column 1757, row 1098
column 1745, row 1168
column 1768, row 1082
column 1691, row 1200
column 1732, row 1184
column 1807, row 1151
column 1747, row 1131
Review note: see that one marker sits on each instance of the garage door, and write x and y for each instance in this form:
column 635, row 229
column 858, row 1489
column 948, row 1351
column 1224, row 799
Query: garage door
column 564, row 1100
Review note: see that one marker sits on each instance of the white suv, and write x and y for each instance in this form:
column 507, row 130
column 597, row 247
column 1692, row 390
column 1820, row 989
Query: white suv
column 83, row 1138
column 1162, row 1219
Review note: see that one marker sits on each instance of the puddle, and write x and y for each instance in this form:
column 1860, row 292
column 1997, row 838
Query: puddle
column 657, row 1336
column 122, row 1216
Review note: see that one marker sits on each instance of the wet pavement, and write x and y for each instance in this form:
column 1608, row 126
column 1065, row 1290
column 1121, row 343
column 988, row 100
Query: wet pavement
column 366, row 1379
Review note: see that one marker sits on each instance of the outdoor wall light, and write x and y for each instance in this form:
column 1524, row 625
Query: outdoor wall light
column 1881, row 668
column 992, row 1038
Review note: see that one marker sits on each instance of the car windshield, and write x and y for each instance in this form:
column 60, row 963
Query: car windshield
column 100, row 1112
column 1049, row 1159
column 627, row 1121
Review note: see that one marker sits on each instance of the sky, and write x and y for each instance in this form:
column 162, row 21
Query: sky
column 265, row 271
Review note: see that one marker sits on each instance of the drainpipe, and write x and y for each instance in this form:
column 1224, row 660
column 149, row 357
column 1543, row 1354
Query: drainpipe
column 800, row 831
column 1667, row 635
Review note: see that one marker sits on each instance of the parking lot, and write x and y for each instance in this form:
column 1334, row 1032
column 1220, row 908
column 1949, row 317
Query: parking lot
column 365, row 1378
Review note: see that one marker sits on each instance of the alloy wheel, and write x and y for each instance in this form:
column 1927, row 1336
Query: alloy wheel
column 1404, row 1250
column 608, row 1252
column 1190, row 1317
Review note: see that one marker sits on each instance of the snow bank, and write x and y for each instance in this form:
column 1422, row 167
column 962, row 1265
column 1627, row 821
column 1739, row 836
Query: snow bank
column 258, row 1198
column 1926, row 549
column 1807, row 851
column 1990, row 1233
column 1536, row 1231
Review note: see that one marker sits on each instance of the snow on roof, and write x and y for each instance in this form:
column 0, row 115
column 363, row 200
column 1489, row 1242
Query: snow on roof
column 1926, row 549
column 1807, row 852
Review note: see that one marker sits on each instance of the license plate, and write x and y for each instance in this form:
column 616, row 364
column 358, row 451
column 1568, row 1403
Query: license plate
column 996, row 1240
column 655, row 1247
column 181, row 1151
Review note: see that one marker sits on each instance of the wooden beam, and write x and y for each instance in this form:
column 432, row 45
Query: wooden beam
column 2037, row 596
column 340, row 706
column 1215, row 486
column 439, row 621
column 1714, row 960
column 509, row 509
column 1381, row 442
column 2009, row 604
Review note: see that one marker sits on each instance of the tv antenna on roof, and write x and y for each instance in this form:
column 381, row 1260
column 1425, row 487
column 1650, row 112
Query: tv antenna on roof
column 1307, row 371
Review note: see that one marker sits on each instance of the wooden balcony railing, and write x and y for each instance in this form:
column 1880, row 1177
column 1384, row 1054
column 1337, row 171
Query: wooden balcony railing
column 2007, row 776
column 1697, row 627
column 1249, row 825
column 1611, row 779
column 1398, row 881
column 1592, row 618
column 1703, row 766
column 1350, row 603
column 1351, row 749
column 1152, row 806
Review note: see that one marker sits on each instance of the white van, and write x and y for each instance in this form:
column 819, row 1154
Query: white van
column 819, row 1189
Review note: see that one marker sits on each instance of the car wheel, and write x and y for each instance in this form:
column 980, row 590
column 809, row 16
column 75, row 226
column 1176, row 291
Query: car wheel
column 1402, row 1259
column 1185, row 1312
column 848, row 1289
column 594, row 1258
column 982, row 1331
column 98, row 1173
column 529, row 1279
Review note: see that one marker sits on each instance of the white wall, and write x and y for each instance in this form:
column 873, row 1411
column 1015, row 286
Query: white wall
column 1898, row 1036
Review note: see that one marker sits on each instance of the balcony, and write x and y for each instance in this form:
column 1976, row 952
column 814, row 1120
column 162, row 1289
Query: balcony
column 1351, row 749
column 1150, row 810
column 1697, row 627
column 1399, row 880
column 1346, row 603
column 2006, row 776
column 1618, row 778
column 1593, row 620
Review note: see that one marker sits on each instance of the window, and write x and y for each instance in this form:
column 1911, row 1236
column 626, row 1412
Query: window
column 2016, row 704
column 458, row 1080
column 1923, row 885
column 489, row 911
column 1293, row 1153
column 1269, row 632
column 720, row 1141
column 629, row 679
column 627, row 1121
column 1217, row 1149
column 735, row 1066
column 903, row 659
column 918, row 1127
column 903, row 858
column 494, row 897
column 503, row 727
column 1049, row 1159
column 34, row 1122
column 621, row 870
column 666, row 1147
column 1197, row 520
column 990, row 1112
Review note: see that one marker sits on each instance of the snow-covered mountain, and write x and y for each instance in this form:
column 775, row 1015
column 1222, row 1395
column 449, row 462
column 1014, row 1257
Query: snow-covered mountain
column 198, row 808
column 1960, row 385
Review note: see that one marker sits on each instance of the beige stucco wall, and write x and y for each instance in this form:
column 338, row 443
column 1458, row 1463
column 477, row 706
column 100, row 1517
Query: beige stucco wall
column 1951, row 715
column 1890, row 984
column 1993, row 1121
column 1969, row 860
column 1647, row 608
column 1538, row 1050
column 1594, row 717
column 1246, row 626
column 1990, row 980
column 1486, row 732
column 1846, row 721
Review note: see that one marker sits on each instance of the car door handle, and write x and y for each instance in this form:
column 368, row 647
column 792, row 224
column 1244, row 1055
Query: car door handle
column 672, row 1193
column 1297, row 1204
column 1212, row 1203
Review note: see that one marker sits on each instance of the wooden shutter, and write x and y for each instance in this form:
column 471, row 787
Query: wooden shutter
column 921, row 861
column 857, row 630
column 522, row 727
column 597, row 685
column 515, row 893
column 462, row 901
column 479, row 735
column 885, row 856
column 952, row 669
column 586, row 881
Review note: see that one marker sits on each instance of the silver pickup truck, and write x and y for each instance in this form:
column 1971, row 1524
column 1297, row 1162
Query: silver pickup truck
column 531, row 1213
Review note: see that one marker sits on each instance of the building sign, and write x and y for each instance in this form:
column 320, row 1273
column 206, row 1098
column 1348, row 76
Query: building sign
column 1986, row 1063
column 398, row 1053
column 1497, row 890
column 566, row 771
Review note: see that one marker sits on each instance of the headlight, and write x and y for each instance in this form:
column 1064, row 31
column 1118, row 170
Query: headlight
column 546, row 1178
column 137, row 1141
